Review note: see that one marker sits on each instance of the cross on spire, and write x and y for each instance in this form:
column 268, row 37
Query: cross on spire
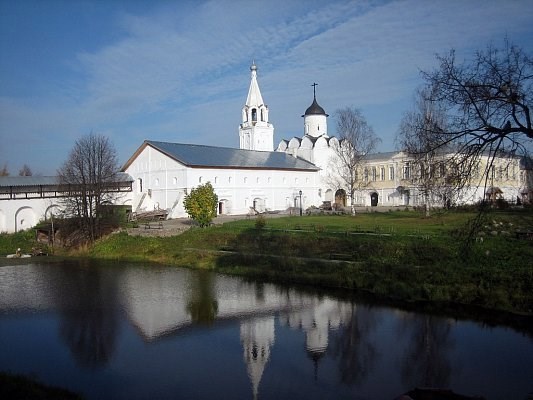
column 314, row 89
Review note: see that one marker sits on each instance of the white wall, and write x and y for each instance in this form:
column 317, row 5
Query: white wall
column 165, row 183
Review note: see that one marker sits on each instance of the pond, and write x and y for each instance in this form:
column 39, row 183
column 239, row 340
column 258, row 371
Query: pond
column 128, row 331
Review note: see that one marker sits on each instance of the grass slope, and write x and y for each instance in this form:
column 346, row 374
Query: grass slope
column 396, row 255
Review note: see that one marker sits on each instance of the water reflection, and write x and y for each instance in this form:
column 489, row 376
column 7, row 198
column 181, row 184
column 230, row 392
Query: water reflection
column 257, row 338
column 89, row 315
column 426, row 361
column 272, row 341
column 203, row 305
column 353, row 345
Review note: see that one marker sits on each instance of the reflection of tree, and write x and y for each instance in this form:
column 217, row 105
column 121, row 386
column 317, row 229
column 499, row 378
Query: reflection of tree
column 203, row 305
column 352, row 345
column 89, row 315
column 425, row 362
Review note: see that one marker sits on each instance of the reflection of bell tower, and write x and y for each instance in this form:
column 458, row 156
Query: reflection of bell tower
column 257, row 337
column 255, row 132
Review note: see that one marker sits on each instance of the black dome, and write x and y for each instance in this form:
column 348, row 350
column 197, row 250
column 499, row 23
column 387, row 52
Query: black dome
column 314, row 109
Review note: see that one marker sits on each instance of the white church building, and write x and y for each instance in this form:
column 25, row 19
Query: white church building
column 252, row 178
column 256, row 177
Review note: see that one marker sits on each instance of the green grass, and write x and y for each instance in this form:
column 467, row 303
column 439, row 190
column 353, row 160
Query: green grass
column 395, row 255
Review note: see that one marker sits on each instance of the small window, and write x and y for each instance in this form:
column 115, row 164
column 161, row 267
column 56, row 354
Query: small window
column 245, row 179
column 175, row 181
column 216, row 179
column 229, row 179
column 200, row 180
column 269, row 180
column 257, row 180
column 391, row 173
column 156, row 182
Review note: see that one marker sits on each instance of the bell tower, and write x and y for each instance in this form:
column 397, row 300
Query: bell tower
column 255, row 131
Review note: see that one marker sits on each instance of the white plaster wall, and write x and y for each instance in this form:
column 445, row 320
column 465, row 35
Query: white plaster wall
column 315, row 125
column 165, row 183
column 20, row 214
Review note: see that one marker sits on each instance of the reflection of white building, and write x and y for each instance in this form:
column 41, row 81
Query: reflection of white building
column 156, row 302
column 317, row 321
column 257, row 338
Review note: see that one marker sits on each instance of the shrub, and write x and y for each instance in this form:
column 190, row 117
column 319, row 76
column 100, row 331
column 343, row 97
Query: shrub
column 260, row 222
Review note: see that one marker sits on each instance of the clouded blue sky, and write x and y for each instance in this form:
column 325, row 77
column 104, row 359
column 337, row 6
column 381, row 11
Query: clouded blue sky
column 179, row 70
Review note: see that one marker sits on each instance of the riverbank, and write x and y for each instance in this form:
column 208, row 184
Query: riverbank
column 400, row 255
column 395, row 255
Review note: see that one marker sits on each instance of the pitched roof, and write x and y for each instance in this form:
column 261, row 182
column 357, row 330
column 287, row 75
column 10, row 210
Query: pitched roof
column 195, row 156
column 37, row 180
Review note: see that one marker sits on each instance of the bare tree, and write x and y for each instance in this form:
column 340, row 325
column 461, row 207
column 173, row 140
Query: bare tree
column 487, row 105
column 25, row 171
column 421, row 136
column 356, row 140
column 4, row 171
column 91, row 167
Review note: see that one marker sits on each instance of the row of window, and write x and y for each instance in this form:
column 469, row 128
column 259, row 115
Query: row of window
column 245, row 180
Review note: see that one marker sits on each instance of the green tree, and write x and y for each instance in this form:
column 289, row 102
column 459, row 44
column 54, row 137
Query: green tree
column 201, row 204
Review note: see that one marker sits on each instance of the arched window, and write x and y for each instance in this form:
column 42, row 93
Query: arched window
column 175, row 181
column 254, row 115
column 200, row 180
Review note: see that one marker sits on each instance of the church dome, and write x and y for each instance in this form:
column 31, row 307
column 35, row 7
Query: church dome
column 315, row 109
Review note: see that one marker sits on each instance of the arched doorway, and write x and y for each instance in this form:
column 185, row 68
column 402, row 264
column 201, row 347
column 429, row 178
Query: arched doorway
column 374, row 199
column 223, row 207
column 24, row 219
column 340, row 197
column 259, row 205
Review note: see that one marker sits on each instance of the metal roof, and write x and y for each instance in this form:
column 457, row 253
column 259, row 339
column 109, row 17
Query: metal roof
column 47, row 180
column 194, row 155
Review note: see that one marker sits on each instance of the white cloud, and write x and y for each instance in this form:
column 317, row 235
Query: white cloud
column 180, row 72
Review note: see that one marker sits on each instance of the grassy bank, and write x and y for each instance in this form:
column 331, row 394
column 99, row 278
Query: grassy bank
column 395, row 255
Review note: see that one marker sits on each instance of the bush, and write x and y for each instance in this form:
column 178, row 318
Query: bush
column 201, row 204
column 260, row 222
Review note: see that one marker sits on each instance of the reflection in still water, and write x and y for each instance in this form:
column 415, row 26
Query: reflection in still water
column 257, row 337
column 176, row 332
column 353, row 346
column 89, row 316
column 426, row 360
column 202, row 305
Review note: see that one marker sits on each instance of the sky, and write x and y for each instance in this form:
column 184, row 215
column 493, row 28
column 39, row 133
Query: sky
column 178, row 71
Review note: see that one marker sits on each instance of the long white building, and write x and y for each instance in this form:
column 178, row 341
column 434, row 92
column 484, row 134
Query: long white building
column 255, row 178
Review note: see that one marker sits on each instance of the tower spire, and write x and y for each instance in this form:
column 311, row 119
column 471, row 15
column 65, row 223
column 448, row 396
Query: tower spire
column 255, row 131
